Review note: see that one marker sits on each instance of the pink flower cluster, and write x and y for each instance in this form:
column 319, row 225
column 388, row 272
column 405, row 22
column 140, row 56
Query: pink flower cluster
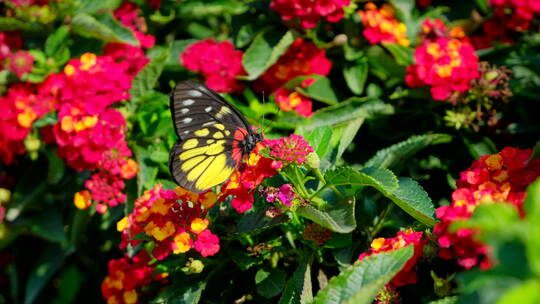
column 446, row 65
column 292, row 149
column 128, row 15
column 174, row 220
column 285, row 194
column 502, row 178
column 309, row 12
column 11, row 57
column 218, row 62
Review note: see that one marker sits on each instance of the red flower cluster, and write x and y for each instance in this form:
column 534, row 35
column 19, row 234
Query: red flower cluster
column 517, row 14
column 435, row 28
column 11, row 57
column 407, row 275
column 128, row 15
column 380, row 25
column 20, row 3
column 447, row 65
column 90, row 134
column 317, row 234
column 174, row 219
column 302, row 58
column 501, row 177
column 20, row 107
column 218, row 62
column 309, row 12
column 292, row 149
column 125, row 277
column 247, row 178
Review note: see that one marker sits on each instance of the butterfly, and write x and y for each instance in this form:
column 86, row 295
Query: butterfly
column 214, row 137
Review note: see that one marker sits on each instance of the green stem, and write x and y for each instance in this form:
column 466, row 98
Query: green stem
column 378, row 225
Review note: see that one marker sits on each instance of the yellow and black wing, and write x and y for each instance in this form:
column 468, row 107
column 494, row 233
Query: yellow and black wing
column 212, row 137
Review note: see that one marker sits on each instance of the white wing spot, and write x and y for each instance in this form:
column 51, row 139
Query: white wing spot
column 188, row 102
column 184, row 110
column 185, row 132
column 208, row 109
column 209, row 123
column 187, row 120
column 194, row 93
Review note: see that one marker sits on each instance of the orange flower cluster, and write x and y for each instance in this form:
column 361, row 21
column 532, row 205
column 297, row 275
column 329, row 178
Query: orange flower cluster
column 380, row 25
column 173, row 219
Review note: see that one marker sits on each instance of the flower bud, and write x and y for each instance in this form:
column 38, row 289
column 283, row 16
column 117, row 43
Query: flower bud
column 5, row 195
column 32, row 144
column 491, row 75
column 340, row 39
column 313, row 161
column 193, row 266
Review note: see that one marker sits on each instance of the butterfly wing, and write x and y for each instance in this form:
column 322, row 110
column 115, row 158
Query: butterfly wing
column 210, row 130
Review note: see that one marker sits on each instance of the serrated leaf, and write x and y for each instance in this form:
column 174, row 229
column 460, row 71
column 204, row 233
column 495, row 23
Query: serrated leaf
column 264, row 51
column 381, row 179
column 270, row 283
column 257, row 222
column 103, row 27
column 397, row 153
column 361, row 282
column 321, row 90
column 414, row 200
column 299, row 289
column 338, row 215
column 356, row 76
column 319, row 139
column 147, row 78
column 92, row 6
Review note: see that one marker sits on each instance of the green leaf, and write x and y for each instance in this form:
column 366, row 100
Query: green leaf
column 56, row 41
column 481, row 146
column 361, row 282
column 532, row 201
column 92, row 6
column 347, row 136
column 103, row 27
column 69, row 284
column 147, row 170
column 49, row 119
column 187, row 293
column 57, row 167
column 147, row 78
column 527, row 292
column 397, row 153
column 13, row 24
column 270, row 283
column 49, row 226
column 338, row 215
column 177, row 48
column 48, row 264
column 264, row 51
column 319, row 139
column 381, row 179
column 342, row 113
column 447, row 300
column 257, row 222
column 414, row 200
column 299, row 289
column 321, row 90
column 404, row 55
column 356, row 76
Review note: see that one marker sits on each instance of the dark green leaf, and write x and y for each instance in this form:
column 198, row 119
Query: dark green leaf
column 69, row 283
column 49, row 226
column 257, row 222
column 536, row 151
column 321, row 90
column 92, row 6
column 361, row 282
column 414, row 200
column 183, row 294
column 147, row 78
column 13, row 24
column 404, row 55
column 57, row 167
column 264, row 51
column 319, row 139
column 48, row 264
column 103, row 27
column 56, row 40
column 299, row 289
column 270, row 283
column 338, row 215
column 381, row 179
column 356, row 76
column 479, row 147
column 397, row 153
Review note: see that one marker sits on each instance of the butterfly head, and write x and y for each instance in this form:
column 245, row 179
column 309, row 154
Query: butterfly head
column 249, row 142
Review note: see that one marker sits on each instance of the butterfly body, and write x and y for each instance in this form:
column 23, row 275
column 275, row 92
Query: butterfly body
column 214, row 137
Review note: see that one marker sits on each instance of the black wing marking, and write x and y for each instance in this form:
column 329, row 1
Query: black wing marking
column 194, row 106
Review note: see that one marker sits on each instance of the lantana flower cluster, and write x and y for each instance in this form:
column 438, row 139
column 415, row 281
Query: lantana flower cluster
column 447, row 65
column 309, row 12
column 380, row 25
column 21, row 106
column 288, row 100
column 128, row 15
column 174, row 220
column 218, row 62
column 289, row 150
column 90, row 133
column 501, row 178
column 407, row 275
column 244, row 181
column 12, row 57
column 125, row 277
